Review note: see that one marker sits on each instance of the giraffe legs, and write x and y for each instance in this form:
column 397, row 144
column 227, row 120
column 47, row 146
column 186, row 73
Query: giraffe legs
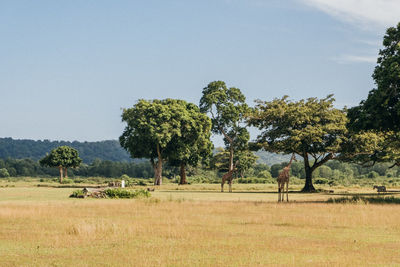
column 287, row 192
column 230, row 185
column 279, row 192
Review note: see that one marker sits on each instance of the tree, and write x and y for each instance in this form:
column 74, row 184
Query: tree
column 311, row 128
column 193, row 143
column 228, row 109
column 62, row 157
column 375, row 123
column 158, row 130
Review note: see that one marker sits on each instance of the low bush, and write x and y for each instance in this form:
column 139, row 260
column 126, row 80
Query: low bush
column 77, row 194
column 321, row 181
column 4, row 173
column 67, row 181
column 254, row 180
column 124, row 177
column 123, row 193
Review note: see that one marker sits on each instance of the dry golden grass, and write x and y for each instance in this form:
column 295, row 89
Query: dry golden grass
column 187, row 228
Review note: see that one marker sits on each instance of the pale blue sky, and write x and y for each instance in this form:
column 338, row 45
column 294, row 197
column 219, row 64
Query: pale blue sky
column 68, row 67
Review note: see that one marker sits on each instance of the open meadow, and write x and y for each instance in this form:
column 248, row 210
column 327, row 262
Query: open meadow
column 195, row 225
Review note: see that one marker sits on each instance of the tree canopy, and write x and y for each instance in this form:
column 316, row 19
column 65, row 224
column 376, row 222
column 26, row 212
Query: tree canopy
column 193, row 144
column 311, row 128
column 62, row 157
column 159, row 129
column 375, row 123
column 381, row 109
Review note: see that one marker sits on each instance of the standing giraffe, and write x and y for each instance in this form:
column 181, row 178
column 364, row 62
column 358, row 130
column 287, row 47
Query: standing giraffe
column 283, row 179
column 228, row 177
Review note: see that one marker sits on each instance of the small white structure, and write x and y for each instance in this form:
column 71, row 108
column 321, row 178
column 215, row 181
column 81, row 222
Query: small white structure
column 123, row 184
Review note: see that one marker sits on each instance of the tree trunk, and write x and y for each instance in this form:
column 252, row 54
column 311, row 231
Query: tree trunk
column 231, row 158
column 308, row 187
column 65, row 173
column 61, row 174
column 158, row 169
column 183, row 174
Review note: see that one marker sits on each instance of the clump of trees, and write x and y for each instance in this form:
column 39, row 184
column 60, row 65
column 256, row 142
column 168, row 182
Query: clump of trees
column 169, row 129
column 63, row 157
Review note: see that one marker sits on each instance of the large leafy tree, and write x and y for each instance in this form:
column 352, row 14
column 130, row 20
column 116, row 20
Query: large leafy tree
column 228, row 109
column 311, row 128
column 162, row 130
column 62, row 157
column 193, row 144
column 375, row 123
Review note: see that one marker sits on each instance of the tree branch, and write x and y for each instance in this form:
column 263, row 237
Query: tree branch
column 323, row 161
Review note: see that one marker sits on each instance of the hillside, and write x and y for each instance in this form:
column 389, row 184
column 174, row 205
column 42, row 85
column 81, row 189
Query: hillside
column 88, row 151
column 270, row 158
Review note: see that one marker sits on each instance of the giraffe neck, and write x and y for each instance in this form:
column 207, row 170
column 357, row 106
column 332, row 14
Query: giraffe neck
column 290, row 162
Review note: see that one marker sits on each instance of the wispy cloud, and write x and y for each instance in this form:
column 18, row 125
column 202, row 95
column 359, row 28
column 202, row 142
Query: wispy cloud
column 346, row 59
column 365, row 13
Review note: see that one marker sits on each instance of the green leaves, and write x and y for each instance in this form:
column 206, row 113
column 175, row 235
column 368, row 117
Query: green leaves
column 228, row 109
column 370, row 147
column 178, row 127
column 375, row 124
column 381, row 110
column 312, row 126
column 63, row 156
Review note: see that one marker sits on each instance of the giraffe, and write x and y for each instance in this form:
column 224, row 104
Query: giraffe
column 228, row 177
column 283, row 179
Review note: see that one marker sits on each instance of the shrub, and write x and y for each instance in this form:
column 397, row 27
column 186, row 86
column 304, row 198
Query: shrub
column 67, row 181
column 141, row 183
column 122, row 193
column 373, row 174
column 141, row 193
column 118, row 193
column 264, row 174
column 124, row 177
column 77, row 194
column 4, row 173
column 321, row 181
column 333, row 183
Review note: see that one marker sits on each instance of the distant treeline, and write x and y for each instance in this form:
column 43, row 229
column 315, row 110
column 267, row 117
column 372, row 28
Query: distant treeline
column 334, row 170
column 88, row 151
column 100, row 168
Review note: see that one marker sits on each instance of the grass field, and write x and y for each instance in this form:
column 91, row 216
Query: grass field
column 195, row 226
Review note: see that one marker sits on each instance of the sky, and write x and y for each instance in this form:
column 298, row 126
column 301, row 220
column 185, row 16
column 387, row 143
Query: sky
column 69, row 67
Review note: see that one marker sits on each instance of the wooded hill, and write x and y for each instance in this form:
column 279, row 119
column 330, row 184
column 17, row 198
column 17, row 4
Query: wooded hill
column 88, row 151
